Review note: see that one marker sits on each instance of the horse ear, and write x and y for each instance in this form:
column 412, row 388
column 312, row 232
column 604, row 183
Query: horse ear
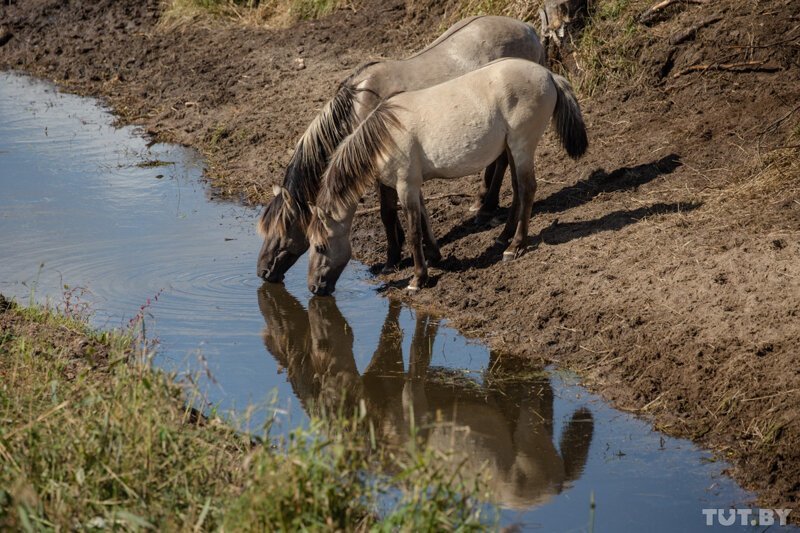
column 277, row 190
column 321, row 215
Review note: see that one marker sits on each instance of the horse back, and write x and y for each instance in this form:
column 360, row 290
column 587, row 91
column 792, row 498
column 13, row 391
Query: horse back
column 466, row 46
column 459, row 126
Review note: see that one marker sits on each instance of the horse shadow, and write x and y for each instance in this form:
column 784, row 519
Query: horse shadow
column 561, row 233
column 598, row 182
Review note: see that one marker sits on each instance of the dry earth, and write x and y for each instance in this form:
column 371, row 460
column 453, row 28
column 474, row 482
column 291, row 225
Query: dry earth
column 664, row 264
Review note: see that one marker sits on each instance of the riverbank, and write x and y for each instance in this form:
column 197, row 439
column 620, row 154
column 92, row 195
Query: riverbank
column 666, row 262
column 93, row 438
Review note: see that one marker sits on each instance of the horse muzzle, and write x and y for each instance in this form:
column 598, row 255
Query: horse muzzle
column 321, row 288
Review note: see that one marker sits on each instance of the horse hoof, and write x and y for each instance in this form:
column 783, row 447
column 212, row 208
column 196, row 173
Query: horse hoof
column 434, row 259
column 474, row 208
column 388, row 269
column 509, row 256
column 481, row 219
column 412, row 288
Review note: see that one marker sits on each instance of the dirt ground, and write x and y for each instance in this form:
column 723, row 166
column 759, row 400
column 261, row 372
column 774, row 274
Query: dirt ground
column 664, row 265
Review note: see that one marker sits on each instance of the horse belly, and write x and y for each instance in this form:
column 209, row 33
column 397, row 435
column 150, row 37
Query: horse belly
column 459, row 148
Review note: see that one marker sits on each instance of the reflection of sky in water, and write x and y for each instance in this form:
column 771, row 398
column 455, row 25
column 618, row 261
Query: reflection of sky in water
column 74, row 199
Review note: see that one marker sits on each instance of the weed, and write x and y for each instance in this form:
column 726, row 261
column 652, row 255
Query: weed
column 90, row 439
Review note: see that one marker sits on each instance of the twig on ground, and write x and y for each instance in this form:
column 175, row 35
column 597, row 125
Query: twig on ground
column 745, row 66
column 778, row 122
column 649, row 14
column 690, row 32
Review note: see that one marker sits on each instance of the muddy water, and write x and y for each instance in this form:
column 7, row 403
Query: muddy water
column 129, row 229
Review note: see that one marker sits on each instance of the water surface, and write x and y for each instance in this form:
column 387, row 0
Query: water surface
column 129, row 227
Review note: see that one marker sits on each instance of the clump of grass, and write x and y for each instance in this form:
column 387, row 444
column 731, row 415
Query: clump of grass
column 93, row 438
column 607, row 48
column 255, row 12
column 776, row 175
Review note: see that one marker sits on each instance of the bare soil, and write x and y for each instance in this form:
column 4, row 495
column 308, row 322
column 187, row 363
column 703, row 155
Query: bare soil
column 664, row 265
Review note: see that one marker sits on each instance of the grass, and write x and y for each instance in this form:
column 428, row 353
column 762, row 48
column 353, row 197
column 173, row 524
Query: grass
column 520, row 9
column 608, row 46
column 254, row 12
column 605, row 50
column 92, row 438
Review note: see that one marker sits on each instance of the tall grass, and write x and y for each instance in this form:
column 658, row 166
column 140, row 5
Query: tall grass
column 90, row 438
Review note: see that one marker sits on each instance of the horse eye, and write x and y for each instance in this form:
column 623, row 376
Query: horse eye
column 320, row 248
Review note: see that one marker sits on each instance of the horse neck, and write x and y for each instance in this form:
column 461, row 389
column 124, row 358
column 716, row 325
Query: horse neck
column 302, row 181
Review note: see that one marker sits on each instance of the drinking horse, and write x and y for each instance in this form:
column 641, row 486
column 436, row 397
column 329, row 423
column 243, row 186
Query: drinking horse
column 447, row 131
column 467, row 45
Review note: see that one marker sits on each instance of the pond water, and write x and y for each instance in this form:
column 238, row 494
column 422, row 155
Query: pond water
column 128, row 228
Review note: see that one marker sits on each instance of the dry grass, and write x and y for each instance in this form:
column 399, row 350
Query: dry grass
column 265, row 13
column 766, row 190
column 520, row 9
column 607, row 49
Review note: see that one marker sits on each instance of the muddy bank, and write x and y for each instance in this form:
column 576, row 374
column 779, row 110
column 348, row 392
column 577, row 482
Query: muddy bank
column 664, row 264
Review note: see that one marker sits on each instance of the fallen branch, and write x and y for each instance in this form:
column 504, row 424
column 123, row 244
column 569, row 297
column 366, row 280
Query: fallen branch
column 746, row 66
column 778, row 122
column 429, row 198
column 689, row 33
column 651, row 13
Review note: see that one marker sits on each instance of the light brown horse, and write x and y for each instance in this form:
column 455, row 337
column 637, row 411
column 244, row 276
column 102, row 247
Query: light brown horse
column 467, row 45
column 447, row 131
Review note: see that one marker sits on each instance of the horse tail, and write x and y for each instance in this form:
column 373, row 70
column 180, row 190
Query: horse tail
column 569, row 124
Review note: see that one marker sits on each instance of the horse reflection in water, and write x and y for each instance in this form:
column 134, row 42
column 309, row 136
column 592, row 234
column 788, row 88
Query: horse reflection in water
column 503, row 425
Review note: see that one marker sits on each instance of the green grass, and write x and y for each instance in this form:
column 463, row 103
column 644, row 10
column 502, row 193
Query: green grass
column 90, row 438
column 607, row 49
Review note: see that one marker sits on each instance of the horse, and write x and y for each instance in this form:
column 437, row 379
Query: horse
column 467, row 45
column 446, row 131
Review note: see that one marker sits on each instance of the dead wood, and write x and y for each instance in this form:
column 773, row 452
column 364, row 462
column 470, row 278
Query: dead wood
column 745, row 66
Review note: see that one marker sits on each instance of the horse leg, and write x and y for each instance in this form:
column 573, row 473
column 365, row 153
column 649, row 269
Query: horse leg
column 432, row 252
column 492, row 199
column 410, row 200
column 511, row 221
column 526, row 185
column 391, row 223
column 486, row 185
column 489, row 199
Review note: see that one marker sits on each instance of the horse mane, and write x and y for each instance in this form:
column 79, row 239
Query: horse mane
column 302, row 179
column 354, row 165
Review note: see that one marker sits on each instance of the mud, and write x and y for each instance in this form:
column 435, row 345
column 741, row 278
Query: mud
column 663, row 266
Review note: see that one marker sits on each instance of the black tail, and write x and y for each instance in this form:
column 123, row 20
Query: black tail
column 569, row 122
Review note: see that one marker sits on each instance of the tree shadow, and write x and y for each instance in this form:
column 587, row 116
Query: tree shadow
column 598, row 182
column 561, row 233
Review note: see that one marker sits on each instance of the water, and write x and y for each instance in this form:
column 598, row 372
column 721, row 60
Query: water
column 130, row 229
